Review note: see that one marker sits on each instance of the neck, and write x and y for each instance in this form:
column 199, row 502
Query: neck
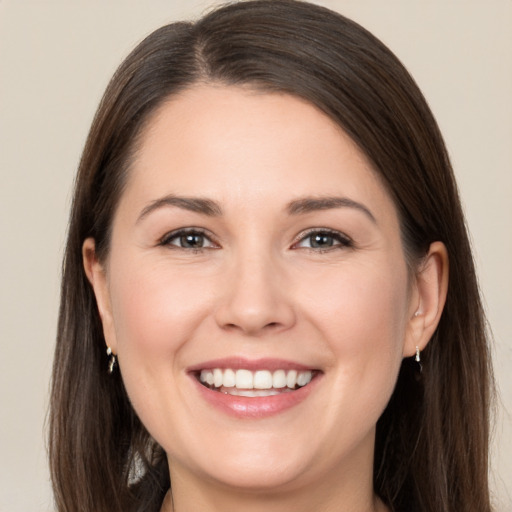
column 251, row 504
column 347, row 491
column 375, row 505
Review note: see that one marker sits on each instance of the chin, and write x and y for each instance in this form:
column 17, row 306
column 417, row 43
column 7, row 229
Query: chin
column 263, row 478
column 261, row 465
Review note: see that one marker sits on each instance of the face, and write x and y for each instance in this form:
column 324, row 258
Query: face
column 256, row 291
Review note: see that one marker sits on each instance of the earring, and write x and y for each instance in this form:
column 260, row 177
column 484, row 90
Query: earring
column 112, row 361
column 418, row 359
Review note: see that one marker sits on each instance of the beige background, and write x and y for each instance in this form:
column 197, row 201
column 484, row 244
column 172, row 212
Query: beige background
column 55, row 60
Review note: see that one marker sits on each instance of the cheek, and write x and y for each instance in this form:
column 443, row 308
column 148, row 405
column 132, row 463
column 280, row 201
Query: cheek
column 156, row 313
column 362, row 316
column 359, row 307
column 155, row 310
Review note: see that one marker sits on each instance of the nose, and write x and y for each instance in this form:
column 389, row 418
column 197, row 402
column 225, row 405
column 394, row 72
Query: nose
column 255, row 297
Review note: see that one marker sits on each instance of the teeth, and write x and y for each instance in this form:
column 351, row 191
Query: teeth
column 228, row 379
column 279, row 379
column 262, row 379
column 303, row 378
column 217, row 377
column 291, row 378
column 246, row 380
column 251, row 392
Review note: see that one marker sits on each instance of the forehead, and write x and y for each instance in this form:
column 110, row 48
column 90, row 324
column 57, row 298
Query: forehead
column 233, row 143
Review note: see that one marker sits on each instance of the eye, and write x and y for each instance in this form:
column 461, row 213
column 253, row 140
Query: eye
column 192, row 239
column 323, row 240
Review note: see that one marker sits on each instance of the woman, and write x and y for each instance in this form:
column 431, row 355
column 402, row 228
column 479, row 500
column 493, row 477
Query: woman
column 268, row 300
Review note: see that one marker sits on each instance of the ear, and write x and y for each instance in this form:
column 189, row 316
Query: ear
column 428, row 297
column 96, row 274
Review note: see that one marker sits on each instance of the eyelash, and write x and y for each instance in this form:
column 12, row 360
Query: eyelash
column 176, row 235
column 342, row 240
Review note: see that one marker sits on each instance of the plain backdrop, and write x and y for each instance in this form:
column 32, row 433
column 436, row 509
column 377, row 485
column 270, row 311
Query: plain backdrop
column 55, row 60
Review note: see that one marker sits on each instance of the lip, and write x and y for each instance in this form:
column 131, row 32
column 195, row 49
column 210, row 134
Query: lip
column 253, row 407
column 238, row 363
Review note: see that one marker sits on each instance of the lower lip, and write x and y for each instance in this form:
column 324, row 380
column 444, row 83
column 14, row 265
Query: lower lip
column 258, row 406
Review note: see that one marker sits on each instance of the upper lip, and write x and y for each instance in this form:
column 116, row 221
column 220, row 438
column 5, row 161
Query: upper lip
column 239, row 363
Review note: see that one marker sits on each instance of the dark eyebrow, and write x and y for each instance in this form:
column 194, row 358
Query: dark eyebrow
column 210, row 208
column 193, row 204
column 312, row 204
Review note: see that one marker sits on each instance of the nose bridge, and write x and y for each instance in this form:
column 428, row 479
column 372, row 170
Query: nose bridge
column 255, row 298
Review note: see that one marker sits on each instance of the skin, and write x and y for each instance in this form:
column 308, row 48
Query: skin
column 257, row 289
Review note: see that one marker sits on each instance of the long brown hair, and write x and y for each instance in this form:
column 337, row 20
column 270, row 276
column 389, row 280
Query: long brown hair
column 432, row 440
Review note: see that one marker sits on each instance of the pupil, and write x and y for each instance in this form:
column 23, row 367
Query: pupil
column 191, row 240
column 321, row 240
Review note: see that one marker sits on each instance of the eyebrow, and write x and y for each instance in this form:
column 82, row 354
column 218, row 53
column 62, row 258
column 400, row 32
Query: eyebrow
column 299, row 206
column 194, row 204
column 312, row 204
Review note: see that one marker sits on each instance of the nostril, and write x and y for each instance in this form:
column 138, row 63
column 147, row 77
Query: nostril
column 253, row 330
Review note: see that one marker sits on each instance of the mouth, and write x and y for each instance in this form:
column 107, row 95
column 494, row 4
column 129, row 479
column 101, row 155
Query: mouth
column 254, row 388
column 260, row 383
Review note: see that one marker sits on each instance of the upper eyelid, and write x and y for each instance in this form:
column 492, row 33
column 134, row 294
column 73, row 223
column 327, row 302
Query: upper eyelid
column 330, row 231
column 298, row 238
column 344, row 242
column 180, row 231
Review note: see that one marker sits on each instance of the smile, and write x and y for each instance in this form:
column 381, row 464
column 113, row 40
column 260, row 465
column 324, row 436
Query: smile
column 254, row 388
column 259, row 383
